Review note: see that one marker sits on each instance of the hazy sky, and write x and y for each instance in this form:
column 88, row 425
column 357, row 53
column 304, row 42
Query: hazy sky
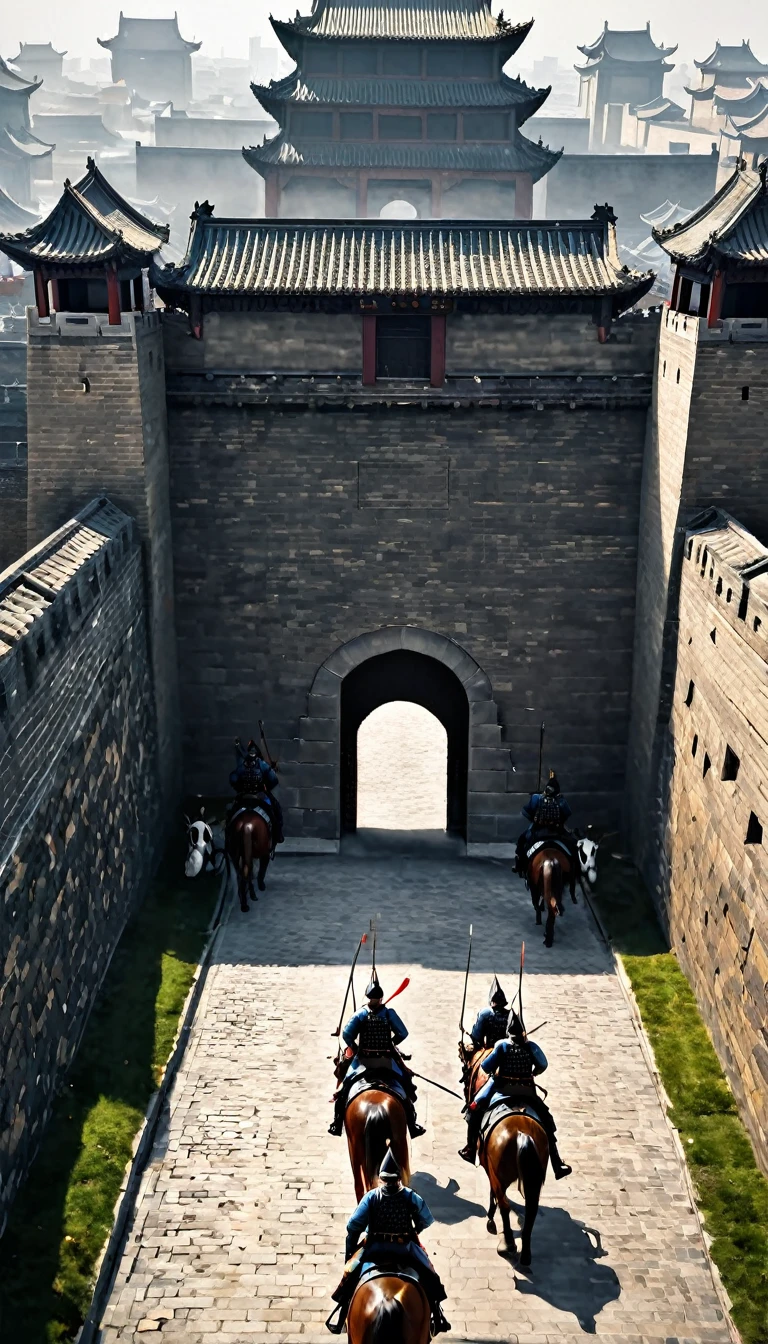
column 227, row 24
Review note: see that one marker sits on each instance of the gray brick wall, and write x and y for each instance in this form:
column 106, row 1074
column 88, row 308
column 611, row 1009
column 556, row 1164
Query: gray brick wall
column 79, row 820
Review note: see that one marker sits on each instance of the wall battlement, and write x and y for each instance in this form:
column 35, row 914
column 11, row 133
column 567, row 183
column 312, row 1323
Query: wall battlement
column 78, row 800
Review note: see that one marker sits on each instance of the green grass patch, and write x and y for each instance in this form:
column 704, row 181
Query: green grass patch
column 732, row 1192
column 63, row 1215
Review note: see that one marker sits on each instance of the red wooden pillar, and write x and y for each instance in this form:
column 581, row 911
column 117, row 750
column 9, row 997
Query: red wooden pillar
column 113, row 297
column 55, row 304
column 369, row 349
column 673, row 302
column 716, row 299
column 41, row 294
column 437, row 358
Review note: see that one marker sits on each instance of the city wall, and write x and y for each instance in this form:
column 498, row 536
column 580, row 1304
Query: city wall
column 79, row 817
column 632, row 183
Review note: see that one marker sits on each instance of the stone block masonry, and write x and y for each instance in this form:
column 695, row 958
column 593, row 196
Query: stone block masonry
column 712, row 869
column 79, row 816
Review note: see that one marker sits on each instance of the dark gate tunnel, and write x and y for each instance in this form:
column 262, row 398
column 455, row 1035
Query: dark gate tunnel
column 403, row 675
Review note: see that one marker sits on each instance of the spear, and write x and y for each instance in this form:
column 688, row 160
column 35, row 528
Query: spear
column 466, row 978
column 541, row 754
column 363, row 939
column 449, row 1090
column 266, row 747
column 520, row 987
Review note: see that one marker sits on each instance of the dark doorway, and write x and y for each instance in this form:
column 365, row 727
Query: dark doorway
column 403, row 675
column 403, row 347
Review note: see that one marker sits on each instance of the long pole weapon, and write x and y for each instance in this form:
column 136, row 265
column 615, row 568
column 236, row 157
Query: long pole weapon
column 520, row 987
column 363, row 939
column 266, row 745
column 466, row 978
column 541, row 754
column 449, row 1090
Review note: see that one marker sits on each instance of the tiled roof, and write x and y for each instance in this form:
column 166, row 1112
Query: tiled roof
column 148, row 35
column 402, row 19
column 12, row 81
column 90, row 223
column 752, row 130
column 517, row 156
column 733, row 60
column 382, row 92
column 244, row 257
column 14, row 216
column 732, row 226
column 29, row 50
column 744, row 102
column 19, row 141
column 661, row 109
column 635, row 46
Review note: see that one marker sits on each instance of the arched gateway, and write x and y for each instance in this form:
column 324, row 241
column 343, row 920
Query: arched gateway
column 404, row 663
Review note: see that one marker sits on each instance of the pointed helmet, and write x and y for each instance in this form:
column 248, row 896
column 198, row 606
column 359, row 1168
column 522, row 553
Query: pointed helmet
column 374, row 990
column 389, row 1169
column 497, row 998
column 515, row 1026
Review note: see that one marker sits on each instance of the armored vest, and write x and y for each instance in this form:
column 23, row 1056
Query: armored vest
column 251, row 779
column 390, row 1215
column 495, row 1028
column 517, row 1064
column 375, row 1035
column 548, row 812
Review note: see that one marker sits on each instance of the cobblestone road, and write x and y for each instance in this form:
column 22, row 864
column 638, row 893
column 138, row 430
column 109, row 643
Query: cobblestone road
column 239, row 1231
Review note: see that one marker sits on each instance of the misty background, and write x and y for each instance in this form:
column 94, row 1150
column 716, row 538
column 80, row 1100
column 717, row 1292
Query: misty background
column 225, row 26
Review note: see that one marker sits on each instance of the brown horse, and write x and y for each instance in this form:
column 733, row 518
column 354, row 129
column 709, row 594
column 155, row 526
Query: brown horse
column 372, row 1120
column 548, row 871
column 248, row 838
column 389, row 1310
column 515, row 1150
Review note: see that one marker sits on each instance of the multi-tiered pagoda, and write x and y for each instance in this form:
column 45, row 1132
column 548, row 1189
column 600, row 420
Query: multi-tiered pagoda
column 624, row 69
column 23, row 158
column 400, row 102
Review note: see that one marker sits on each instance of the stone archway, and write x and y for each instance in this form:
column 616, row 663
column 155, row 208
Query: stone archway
column 487, row 762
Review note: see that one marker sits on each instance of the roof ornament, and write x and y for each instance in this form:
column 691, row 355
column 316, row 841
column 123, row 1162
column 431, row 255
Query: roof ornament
column 605, row 214
column 762, row 172
column 202, row 210
column 502, row 25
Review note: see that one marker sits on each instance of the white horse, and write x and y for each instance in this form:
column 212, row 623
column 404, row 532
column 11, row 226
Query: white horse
column 202, row 851
column 587, row 851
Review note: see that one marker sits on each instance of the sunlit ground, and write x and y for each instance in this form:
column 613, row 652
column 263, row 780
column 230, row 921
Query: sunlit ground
column 402, row 755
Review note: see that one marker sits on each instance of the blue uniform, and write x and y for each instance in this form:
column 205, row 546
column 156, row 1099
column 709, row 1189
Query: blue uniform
column 484, row 1022
column 496, row 1058
column 529, row 811
column 268, row 774
column 412, row 1250
column 352, row 1031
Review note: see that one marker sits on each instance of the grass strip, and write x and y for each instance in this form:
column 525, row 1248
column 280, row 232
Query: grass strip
column 63, row 1215
column 731, row 1191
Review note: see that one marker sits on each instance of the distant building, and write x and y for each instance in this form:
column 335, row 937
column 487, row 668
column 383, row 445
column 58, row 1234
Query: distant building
column 153, row 59
column 624, row 69
column 400, row 103
column 23, row 157
column 39, row 60
column 728, row 74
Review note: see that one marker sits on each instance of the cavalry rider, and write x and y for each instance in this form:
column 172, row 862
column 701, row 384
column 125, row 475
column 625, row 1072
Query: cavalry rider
column 491, row 1022
column 392, row 1215
column 252, row 776
column 547, row 813
column 372, row 1035
column 513, row 1064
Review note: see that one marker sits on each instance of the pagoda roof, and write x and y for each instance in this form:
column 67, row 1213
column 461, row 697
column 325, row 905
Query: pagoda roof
column 753, row 130
column 20, row 142
column 148, row 35
column 630, row 46
column 518, row 155
column 744, row 102
column 731, row 227
column 384, row 92
column 90, row 224
column 402, row 21
column 666, row 215
column 660, row 109
column 32, row 49
column 14, row 216
column 733, row 60
column 12, row 82
column 359, row 258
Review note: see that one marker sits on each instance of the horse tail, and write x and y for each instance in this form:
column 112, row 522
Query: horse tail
column 246, row 839
column 552, row 879
column 377, row 1132
column 530, row 1176
column 388, row 1325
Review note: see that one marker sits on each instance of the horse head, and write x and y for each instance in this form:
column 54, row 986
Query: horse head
column 200, row 851
column 587, row 851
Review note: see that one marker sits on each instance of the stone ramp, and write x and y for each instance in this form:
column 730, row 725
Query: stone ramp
column 239, row 1230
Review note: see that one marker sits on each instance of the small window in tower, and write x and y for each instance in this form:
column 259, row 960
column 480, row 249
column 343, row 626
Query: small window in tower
column 689, row 696
column 486, row 126
column 403, row 347
column 743, row 602
column 707, row 764
column 719, row 585
column 731, row 764
column 745, row 394
column 754, row 831
column 311, row 125
column 359, row 60
column 695, row 744
column 677, row 379
column 356, row 125
column 442, row 126
column 397, row 127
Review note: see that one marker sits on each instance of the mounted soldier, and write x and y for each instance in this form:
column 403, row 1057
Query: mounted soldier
column 512, row 1066
column 491, row 1022
column 372, row 1036
column 253, row 777
column 547, row 813
column 392, row 1216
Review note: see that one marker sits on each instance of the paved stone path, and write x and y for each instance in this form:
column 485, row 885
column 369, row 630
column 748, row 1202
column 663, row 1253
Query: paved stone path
column 239, row 1230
